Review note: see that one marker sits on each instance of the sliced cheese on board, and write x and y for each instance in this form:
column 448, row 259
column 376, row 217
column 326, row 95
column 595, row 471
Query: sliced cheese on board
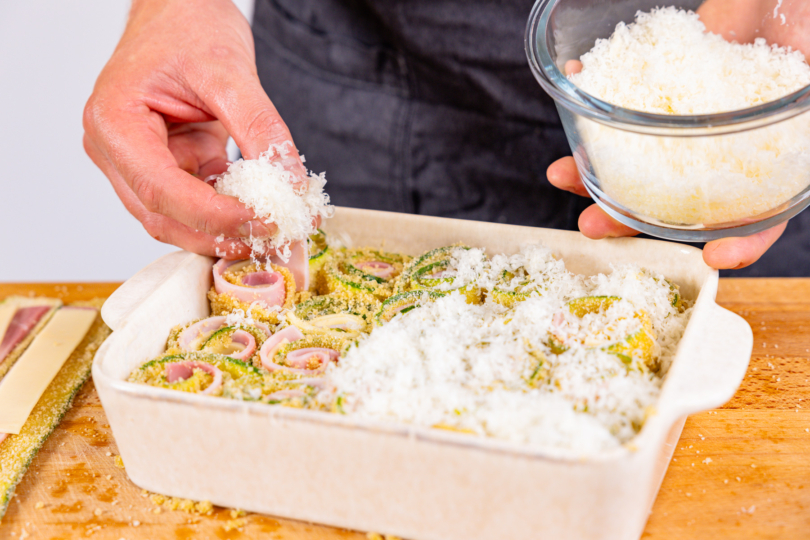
column 7, row 311
column 17, row 327
column 22, row 387
column 10, row 305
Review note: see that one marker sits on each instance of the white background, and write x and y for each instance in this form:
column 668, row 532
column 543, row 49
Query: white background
column 59, row 218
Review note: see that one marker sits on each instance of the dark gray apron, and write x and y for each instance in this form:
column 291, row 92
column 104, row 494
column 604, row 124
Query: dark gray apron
column 429, row 107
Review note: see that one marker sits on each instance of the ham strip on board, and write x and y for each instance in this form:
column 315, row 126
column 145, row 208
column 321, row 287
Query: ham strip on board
column 25, row 319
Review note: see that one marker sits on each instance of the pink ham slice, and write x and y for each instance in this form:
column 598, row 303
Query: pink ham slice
column 189, row 338
column 282, row 337
column 180, row 371
column 296, row 360
column 3, row 437
column 247, row 341
column 268, row 288
column 198, row 330
column 302, row 358
column 24, row 320
column 298, row 265
column 378, row 269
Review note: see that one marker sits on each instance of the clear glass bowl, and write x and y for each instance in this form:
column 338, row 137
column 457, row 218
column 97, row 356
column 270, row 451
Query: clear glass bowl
column 737, row 172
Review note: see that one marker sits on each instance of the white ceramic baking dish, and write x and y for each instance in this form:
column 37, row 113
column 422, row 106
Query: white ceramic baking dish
column 398, row 479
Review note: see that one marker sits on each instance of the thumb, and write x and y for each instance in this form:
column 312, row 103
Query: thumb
column 247, row 113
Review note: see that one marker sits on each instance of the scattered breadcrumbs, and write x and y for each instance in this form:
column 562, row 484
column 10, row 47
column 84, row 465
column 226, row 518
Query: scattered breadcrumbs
column 182, row 505
column 234, row 524
column 119, row 462
column 17, row 451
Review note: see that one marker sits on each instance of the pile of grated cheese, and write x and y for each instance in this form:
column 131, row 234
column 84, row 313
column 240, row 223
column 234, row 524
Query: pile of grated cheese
column 666, row 63
column 465, row 367
column 277, row 197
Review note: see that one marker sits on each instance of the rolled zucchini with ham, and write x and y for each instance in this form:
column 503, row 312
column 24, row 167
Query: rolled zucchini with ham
column 362, row 273
column 404, row 302
column 215, row 335
column 289, row 351
column 514, row 287
column 635, row 346
column 334, row 315
column 436, row 271
column 260, row 290
column 200, row 373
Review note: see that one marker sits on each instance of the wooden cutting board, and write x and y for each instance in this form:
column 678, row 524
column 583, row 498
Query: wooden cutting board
column 742, row 471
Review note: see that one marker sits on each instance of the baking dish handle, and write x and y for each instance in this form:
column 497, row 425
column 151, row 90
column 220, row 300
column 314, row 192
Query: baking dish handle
column 137, row 288
column 713, row 364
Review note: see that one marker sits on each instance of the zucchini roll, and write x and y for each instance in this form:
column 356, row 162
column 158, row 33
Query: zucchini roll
column 291, row 352
column 260, row 290
column 404, row 302
column 335, row 315
column 437, row 271
column 364, row 273
column 631, row 339
column 199, row 373
column 214, row 335
column 513, row 287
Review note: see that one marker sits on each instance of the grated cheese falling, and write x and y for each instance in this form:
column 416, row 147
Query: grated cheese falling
column 466, row 366
column 266, row 187
column 666, row 63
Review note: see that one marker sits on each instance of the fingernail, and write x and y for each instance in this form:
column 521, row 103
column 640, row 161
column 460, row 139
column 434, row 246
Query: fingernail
column 255, row 228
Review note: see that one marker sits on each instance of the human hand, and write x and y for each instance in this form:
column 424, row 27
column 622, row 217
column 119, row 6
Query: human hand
column 738, row 20
column 181, row 79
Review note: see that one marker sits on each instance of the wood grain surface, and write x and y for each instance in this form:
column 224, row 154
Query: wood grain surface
column 742, row 471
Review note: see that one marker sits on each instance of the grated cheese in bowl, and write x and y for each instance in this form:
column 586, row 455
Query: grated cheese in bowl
column 269, row 189
column 666, row 63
